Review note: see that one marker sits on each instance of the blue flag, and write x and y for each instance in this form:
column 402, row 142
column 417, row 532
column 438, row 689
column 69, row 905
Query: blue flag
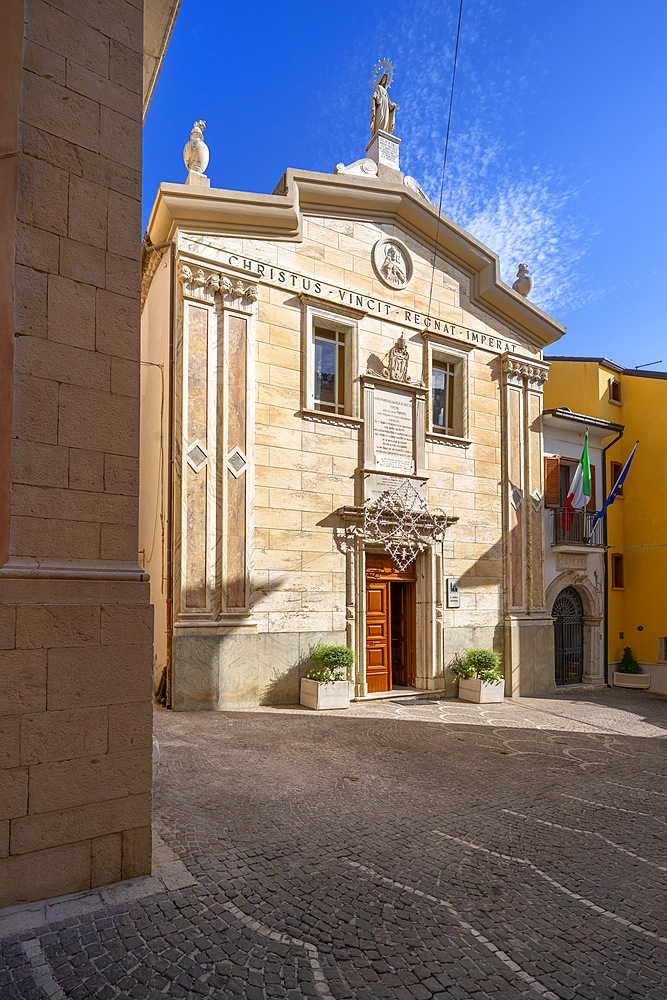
column 616, row 488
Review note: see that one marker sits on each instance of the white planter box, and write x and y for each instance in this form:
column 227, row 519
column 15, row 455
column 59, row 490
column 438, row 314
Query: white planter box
column 482, row 692
column 658, row 674
column 631, row 680
column 322, row 695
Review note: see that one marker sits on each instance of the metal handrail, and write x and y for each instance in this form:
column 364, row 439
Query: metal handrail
column 575, row 527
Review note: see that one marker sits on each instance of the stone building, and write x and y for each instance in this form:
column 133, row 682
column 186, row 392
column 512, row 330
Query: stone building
column 75, row 617
column 341, row 437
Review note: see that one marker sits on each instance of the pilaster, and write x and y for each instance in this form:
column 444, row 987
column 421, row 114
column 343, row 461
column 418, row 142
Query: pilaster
column 213, row 431
column 523, row 381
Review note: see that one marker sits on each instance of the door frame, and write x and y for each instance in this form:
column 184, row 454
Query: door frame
column 430, row 614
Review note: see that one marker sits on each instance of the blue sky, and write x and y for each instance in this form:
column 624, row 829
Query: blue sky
column 558, row 146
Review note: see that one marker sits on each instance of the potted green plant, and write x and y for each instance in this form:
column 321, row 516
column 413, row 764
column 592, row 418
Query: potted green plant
column 629, row 674
column 326, row 685
column 480, row 677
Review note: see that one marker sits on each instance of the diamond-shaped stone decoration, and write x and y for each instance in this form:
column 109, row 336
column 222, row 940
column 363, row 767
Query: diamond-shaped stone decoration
column 196, row 456
column 237, row 462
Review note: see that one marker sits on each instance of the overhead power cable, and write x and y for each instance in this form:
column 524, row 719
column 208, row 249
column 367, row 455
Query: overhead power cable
column 444, row 158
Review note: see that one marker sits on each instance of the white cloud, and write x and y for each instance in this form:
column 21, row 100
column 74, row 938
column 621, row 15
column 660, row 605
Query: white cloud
column 522, row 210
column 529, row 219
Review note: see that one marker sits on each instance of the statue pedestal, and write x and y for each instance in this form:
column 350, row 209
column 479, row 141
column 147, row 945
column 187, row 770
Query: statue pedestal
column 383, row 149
column 197, row 179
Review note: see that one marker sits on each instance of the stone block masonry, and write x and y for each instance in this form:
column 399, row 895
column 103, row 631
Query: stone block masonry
column 75, row 620
column 245, row 615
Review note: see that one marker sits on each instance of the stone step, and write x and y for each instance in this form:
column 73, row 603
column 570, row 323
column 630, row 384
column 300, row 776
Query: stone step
column 403, row 694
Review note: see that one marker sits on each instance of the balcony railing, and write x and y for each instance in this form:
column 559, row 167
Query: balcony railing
column 575, row 527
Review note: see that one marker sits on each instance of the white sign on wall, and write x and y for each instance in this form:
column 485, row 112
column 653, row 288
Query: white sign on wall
column 453, row 592
column 393, row 427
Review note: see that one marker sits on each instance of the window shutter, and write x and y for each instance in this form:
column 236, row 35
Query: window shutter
column 591, row 505
column 552, row 482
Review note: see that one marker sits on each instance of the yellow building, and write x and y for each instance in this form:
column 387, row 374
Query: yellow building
column 636, row 526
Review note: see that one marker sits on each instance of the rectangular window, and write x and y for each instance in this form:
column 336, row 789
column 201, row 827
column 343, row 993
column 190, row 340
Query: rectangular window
column 329, row 370
column 615, row 391
column 617, row 572
column 447, row 380
column 558, row 474
column 615, row 469
column 442, row 396
column 329, row 359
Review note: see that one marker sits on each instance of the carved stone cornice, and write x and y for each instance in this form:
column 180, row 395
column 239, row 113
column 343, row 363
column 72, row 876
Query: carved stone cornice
column 300, row 194
column 196, row 280
column 452, row 442
column 149, row 264
column 334, row 419
column 338, row 308
column 519, row 370
column 372, row 377
column 28, row 568
column 204, row 283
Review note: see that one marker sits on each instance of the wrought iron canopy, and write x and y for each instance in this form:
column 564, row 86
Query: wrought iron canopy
column 400, row 520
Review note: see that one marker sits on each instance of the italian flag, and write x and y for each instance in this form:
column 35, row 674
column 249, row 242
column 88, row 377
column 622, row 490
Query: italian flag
column 580, row 488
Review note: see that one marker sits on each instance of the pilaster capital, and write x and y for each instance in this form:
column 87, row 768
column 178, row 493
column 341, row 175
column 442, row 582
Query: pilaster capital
column 518, row 371
column 205, row 283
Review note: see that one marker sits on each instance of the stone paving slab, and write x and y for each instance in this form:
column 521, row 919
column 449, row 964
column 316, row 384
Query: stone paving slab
column 395, row 850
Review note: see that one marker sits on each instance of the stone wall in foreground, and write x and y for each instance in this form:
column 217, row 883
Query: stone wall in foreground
column 75, row 618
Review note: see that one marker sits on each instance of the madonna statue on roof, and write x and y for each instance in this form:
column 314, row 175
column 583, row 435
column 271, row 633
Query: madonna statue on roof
column 382, row 109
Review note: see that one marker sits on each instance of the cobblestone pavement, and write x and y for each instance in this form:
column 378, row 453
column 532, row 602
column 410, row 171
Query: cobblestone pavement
column 408, row 851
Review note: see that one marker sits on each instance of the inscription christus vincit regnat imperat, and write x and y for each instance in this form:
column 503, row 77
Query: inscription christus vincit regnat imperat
column 317, row 288
column 393, row 431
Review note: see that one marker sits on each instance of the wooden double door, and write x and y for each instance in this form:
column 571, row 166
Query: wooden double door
column 390, row 625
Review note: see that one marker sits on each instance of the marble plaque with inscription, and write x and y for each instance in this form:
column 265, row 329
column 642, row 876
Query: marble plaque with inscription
column 377, row 483
column 393, row 428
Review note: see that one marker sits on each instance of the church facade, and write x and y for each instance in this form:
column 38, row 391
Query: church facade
column 341, row 440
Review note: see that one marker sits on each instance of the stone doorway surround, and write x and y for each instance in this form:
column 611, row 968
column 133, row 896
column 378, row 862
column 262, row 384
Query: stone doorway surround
column 592, row 620
column 429, row 610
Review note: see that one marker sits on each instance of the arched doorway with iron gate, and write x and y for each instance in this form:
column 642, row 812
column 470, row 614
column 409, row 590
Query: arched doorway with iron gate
column 568, row 616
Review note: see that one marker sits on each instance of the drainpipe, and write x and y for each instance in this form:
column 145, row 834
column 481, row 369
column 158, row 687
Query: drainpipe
column 605, row 574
